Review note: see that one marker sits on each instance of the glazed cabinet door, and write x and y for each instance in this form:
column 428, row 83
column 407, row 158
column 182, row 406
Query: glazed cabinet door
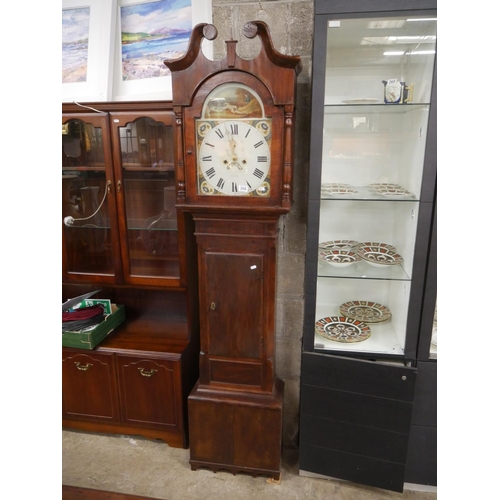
column 372, row 189
column 89, row 389
column 372, row 186
column 90, row 231
column 143, row 155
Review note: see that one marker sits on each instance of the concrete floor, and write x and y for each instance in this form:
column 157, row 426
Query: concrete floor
column 137, row 466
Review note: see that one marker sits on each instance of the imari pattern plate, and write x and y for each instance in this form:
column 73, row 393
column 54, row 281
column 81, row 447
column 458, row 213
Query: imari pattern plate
column 380, row 256
column 378, row 245
column 342, row 329
column 364, row 310
column 339, row 258
column 338, row 245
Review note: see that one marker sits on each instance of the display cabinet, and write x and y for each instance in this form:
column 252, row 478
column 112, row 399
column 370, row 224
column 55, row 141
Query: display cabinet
column 122, row 235
column 120, row 221
column 371, row 207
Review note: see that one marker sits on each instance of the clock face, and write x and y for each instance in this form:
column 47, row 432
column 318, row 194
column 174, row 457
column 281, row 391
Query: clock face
column 234, row 157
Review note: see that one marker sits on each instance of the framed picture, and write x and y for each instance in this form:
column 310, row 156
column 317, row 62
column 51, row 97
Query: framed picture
column 147, row 33
column 87, row 49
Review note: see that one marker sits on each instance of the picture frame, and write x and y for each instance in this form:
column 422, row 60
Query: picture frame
column 96, row 81
column 154, row 87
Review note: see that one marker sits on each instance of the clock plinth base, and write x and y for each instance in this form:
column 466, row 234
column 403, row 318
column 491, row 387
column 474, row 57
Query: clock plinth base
column 236, row 431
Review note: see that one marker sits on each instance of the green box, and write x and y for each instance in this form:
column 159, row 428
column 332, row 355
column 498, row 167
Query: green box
column 88, row 340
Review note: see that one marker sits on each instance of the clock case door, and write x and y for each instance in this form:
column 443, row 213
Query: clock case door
column 356, row 408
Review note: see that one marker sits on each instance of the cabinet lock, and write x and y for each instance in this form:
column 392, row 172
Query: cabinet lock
column 83, row 368
column 144, row 373
column 119, row 186
column 212, row 306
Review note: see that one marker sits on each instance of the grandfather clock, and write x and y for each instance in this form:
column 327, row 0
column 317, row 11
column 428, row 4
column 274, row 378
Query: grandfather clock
column 234, row 138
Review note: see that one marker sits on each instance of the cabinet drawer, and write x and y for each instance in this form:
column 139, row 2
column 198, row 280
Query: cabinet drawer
column 150, row 392
column 89, row 389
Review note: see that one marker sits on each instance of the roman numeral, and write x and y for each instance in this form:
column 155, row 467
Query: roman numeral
column 210, row 172
column 220, row 183
column 258, row 173
column 219, row 133
column 260, row 143
column 234, row 187
column 208, row 144
column 234, row 128
column 207, row 158
column 248, row 131
column 262, row 159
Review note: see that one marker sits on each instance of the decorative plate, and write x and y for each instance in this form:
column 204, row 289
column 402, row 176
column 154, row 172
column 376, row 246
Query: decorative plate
column 339, row 190
column 394, row 192
column 333, row 185
column 379, row 256
column 383, row 185
column 339, row 258
column 362, row 100
column 338, row 245
column 342, row 329
column 377, row 244
column 364, row 310
column 333, row 189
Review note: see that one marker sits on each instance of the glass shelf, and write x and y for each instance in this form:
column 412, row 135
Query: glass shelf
column 340, row 107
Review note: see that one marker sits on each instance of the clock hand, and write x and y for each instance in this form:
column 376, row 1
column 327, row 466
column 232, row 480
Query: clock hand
column 232, row 145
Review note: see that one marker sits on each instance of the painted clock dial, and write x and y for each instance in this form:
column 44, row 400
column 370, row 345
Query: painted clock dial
column 233, row 144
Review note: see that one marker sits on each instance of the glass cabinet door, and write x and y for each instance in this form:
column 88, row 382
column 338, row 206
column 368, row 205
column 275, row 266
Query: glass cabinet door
column 145, row 176
column 88, row 212
column 377, row 80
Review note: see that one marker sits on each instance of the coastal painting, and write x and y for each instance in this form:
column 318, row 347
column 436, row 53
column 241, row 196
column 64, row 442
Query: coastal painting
column 152, row 32
column 75, row 44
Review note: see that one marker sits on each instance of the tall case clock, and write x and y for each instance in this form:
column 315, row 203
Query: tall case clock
column 234, row 134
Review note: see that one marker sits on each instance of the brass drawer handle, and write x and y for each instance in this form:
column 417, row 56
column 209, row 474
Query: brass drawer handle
column 145, row 373
column 83, row 368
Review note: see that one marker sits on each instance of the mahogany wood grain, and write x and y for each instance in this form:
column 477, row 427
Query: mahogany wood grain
column 235, row 410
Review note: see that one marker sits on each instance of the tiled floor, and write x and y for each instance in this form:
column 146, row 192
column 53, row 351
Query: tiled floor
column 139, row 466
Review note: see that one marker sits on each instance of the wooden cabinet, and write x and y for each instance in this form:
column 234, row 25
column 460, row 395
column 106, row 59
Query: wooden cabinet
column 122, row 235
column 372, row 195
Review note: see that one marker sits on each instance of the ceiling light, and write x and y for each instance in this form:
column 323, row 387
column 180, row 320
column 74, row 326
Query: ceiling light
column 394, row 53
column 422, row 52
column 386, row 23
